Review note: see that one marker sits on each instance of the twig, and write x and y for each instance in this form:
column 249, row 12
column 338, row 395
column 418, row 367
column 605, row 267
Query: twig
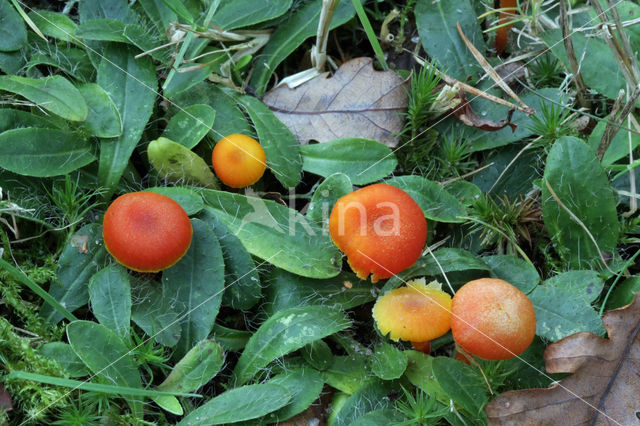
column 626, row 45
column 623, row 60
column 583, row 101
column 492, row 72
column 470, row 89
column 613, row 129
column 607, row 135
column 466, row 175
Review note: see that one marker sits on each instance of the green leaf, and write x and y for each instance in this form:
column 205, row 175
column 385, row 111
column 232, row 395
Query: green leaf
column 347, row 373
column 103, row 119
column 195, row 285
column 602, row 61
column 436, row 203
column 83, row 256
column 286, row 290
column 465, row 192
column 71, row 60
column 381, row 417
column 483, row 140
column 304, row 385
column 577, row 178
column 229, row 339
column 285, row 332
column 235, row 405
column 154, row 313
column 301, row 25
column 169, row 403
column 64, row 355
column 514, row 270
column 131, row 83
column 279, row 144
column 325, row 197
column 13, row 34
column 362, row 160
column 112, row 9
column 509, row 176
column 190, row 125
column 110, row 296
column 462, row 383
column 436, row 22
column 44, row 152
column 619, row 147
column 179, row 9
column 106, row 355
column 55, row 94
column 102, row 29
column 372, row 396
column 420, row 373
column 624, row 293
column 229, row 117
column 318, row 355
column 159, row 13
column 450, row 260
column 388, row 362
column 54, row 24
column 266, row 228
column 177, row 163
column 241, row 278
column 242, row 13
column 14, row 118
column 563, row 305
column 195, row 369
column 91, row 387
column 188, row 199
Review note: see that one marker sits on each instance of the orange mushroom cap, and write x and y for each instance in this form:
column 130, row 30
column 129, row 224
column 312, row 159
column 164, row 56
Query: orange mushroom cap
column 417, row 312
column 238, row 160
column 492, row 319
column 146, row 231
column 380, row 228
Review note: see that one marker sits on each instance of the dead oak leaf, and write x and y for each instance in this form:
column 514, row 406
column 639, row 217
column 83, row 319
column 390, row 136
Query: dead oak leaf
column 357, row 101
column 604, row 386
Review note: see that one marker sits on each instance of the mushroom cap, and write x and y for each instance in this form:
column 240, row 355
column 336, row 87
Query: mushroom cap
column 492, row 319
column 380, row 228
column 146, row 231
column 238, row 160
column 416, row 313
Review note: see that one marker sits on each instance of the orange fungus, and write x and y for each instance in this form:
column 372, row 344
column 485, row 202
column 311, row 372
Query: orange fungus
column 416, row 313
column 146, row 231
column 380, row 228
column 238, row 160
column 492, row 319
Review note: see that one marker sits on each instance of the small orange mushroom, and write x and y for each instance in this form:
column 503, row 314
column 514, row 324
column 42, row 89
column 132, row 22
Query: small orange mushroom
column 492, row 319
column 380, row 228
column 502, row 34
column 238, row 160
column 146, row 231
column 415, row 313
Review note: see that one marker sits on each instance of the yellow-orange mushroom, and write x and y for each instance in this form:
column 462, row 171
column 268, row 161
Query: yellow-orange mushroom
column 416, row 313
column 492, row 319
column 380, row 228
column 146, row 231
column 238, row 160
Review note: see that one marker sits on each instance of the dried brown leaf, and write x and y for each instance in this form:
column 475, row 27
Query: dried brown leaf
column 468, row 116
column 5, row 399
column 604, row 388
column 357, row 101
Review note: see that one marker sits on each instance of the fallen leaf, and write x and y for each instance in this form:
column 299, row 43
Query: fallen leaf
column 5, row 399
column 603, row 388
column 357, row 101
column 468, row 116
